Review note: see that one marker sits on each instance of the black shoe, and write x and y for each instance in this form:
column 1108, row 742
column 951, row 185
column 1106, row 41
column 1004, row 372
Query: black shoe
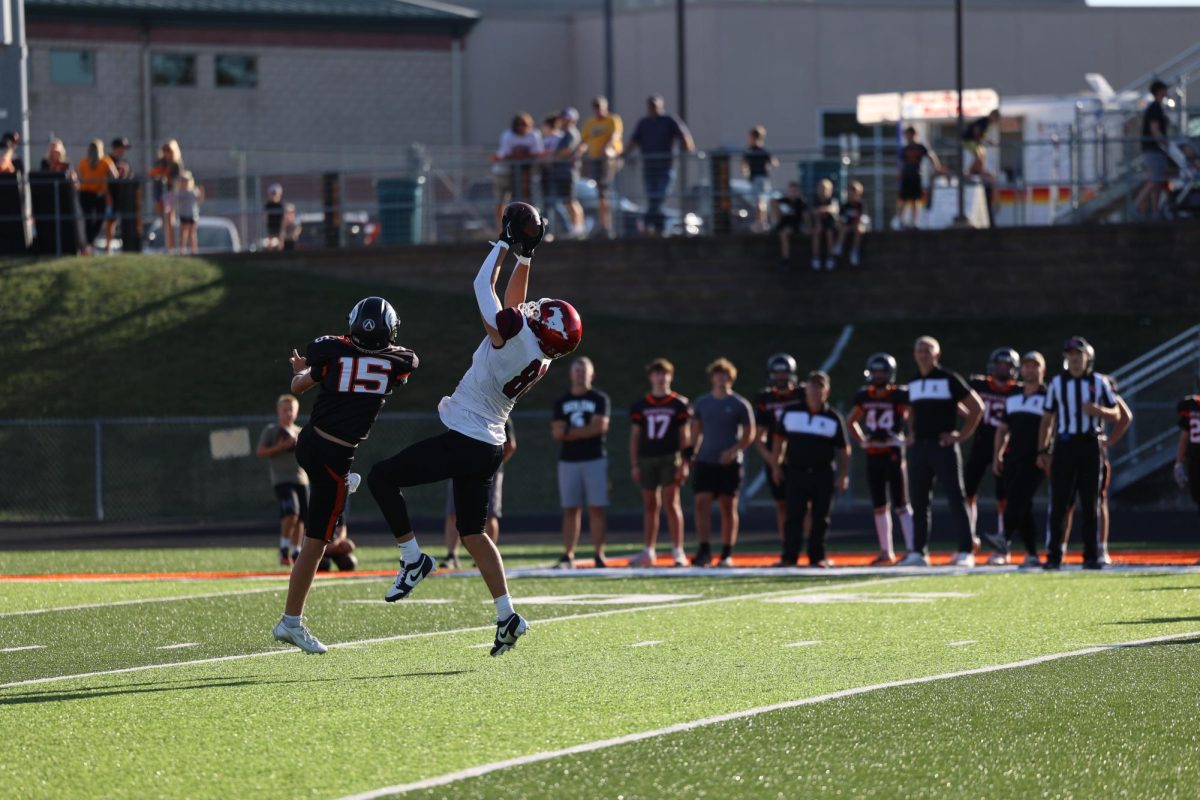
column 1093, row 564
column 600, row 562
column 408, row 578
column 346, row 562
column 1052, row 563
column 325, row 565
column 703, row 556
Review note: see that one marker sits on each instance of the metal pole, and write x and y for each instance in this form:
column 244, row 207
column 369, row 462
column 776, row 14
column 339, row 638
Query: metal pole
column 681, row 59
column 878, row 221
column 609, row 88
column 958, row 87
column 99, row 472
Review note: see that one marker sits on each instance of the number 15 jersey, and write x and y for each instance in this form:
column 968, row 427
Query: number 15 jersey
column 354, row 384
column 497, row 378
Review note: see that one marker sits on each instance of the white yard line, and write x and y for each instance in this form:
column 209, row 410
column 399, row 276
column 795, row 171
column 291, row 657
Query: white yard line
column 26, row 647
column 803, row 644
column 425, row 634
column 180, row 646
column 963, row 643
column 649, row 643
column 602, row 744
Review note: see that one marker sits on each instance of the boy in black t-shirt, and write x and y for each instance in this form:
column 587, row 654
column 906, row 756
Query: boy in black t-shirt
column 912, row 155
column 790, row 209
column 658, row 432
column 824, row 224
column 580, row 422
column 757, row 164
column 854, row 224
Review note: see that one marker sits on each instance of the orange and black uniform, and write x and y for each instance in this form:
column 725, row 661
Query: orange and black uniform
column 767, row 405
column 884, row 409
column 994, row 395
column 353, row 388
column 1189, row 420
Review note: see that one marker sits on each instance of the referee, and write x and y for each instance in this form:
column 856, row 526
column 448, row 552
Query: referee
column 938, row 397
column 1078, row 403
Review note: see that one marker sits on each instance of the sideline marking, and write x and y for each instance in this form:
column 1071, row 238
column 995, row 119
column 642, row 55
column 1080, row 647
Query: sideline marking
column 26, row 647
column 681, row 727
column 649, row 643
column 280, row 650
column 179, row 646
column 963, row 643
column 869, row 597
column 633, row 598
column 803, row 644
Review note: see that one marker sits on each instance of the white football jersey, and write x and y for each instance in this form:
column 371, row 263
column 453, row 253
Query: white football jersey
column 498, row 376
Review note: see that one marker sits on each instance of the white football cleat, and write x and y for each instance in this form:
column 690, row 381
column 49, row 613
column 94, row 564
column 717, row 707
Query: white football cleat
column 961, row 559
column 914, row 559
column 507, row 633
column 352, row 482
column 299, row 636
column 727, row 561
column 998, row 560
column 408, row 578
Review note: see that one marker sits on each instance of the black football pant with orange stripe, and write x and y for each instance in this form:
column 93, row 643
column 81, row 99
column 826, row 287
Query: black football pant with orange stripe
column 327, row 465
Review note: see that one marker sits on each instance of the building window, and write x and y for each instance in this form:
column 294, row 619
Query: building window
column 237, row 71
column 173, row 69
column 72, row 67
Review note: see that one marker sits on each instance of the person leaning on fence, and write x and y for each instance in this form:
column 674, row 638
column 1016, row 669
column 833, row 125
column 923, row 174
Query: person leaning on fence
column 277, row 444
column 166, row 169
column 56, row 160
column 565, row 170
column 273, row 211
column 1155, row 127
column 601, row 144
column 95, row 171
column 550, row 134
column 117, row 193
column 188, row 197
column 656, row 135
column 13, row 139
column 8, row 151
column 512, row 165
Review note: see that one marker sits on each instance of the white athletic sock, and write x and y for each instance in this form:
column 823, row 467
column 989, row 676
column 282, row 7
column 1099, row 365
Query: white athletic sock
column 883, row 529
column 973, row 516
column 678, row 553
column 1000, row 524
column 290, row 621
column 504, row 608
column 906, row 525
column 410, row 551
column 285, row 542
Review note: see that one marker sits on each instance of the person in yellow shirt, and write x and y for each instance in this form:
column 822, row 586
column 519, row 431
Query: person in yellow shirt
column 94, row 172
column 601, row 146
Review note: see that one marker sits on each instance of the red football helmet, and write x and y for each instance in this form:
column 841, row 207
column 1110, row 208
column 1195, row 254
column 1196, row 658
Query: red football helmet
column 556, row 324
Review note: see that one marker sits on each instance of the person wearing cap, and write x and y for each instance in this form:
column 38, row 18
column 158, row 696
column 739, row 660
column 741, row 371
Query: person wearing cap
column 994, row 388
column 656, row 135
column 809, row 438
column 1154, row 150
column 782, row 389
column 273, row 210
column 937, row 398
column 1015, row 458
column 565, row 169
column 1078, row 403
column 601, row 144
column 118, row 194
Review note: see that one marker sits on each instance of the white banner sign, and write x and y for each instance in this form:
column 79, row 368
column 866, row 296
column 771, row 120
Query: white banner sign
column 876, row 108
column 944, row 104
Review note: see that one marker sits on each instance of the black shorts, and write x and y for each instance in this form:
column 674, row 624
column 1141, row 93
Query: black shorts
column 187, row 220
column 910, row 187
column 718, row 479
column 886, row 473
column 327, row 465
column 293, row 499
column 791, row 222
column 827, row 222
column 979, row 464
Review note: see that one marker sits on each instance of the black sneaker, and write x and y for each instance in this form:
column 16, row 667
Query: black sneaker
column 1093, row 564
column 507, row 633
column 408, row 578
column 703, row 556
column 325, row 566
column 1052, row 563
column 600, row 562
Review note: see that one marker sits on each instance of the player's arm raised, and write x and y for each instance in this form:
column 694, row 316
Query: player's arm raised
column 485, row 291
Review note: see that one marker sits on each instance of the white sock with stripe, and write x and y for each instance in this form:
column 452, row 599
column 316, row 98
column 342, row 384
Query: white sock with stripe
column 883, row 529
column 906, row 527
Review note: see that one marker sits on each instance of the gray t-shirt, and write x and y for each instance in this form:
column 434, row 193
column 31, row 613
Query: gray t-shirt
column 722, row 419
column 284, row 468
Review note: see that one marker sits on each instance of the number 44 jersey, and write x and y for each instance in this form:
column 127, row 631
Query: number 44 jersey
column 354, row 384
column 498, row 376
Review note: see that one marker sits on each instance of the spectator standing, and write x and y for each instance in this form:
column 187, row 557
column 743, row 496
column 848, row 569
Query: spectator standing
column 165, row 172
column 495, row 504
column 656, row 135
column 912, row 194
column 1155, row 127
column 188, row 197
column 1078, row 402
column 975, row 155
column 565, row 169
column 291, row 227
column 854, row 224
column 277, row 444
column 118, row 193
column 809, row 438
column 825, row 224
column 580, row 422
column 658, row 433
column 56, row 160
column 1015, row 457
column 757, row 164
column 95, row 170
column 550, row 199
column 601, row 145
column 273, row 211
column 512, row 163
column 790, row 211
column 722, row 427
column 13, row 139
column 8, row 149
column 937, row 398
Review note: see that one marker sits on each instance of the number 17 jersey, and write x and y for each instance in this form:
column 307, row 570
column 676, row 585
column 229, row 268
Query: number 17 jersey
column 497, row 378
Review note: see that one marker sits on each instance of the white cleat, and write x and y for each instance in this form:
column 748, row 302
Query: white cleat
column 1105, row 558
column 507, row 633
column 914, row 559
column 727, row 561
column 352, row 482
column 408, row 578
column 963, row 560
column 299, row 636
column 998, row 560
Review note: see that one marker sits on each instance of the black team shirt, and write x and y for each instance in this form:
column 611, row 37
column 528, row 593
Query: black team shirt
column 354, row 385
column 883, row 414
column 770, row 401
column 577, row 411
column 1023, row 415
column 660, row 419
column 1189, row 420
column 911, row 156
column 934, row 400
column 813, row 440
column 995, row 398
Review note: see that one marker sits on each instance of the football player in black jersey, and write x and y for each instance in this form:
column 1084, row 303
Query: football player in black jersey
column 658, row 433
column 993, row 389
column 782, row 388
column 356, row 373
column 1187, row 454
column 1014, row 461
column 877, row 423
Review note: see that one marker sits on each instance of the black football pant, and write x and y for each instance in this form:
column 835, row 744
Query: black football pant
column 327, row 465
column 1022, row 479
column 803, row 488
column 468, row 462
column 928, row 462
column 885, row 473
column 979, row 464
column 1075, row 472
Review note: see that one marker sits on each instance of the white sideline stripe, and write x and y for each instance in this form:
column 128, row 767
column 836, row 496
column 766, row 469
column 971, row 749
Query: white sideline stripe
column 963, row 643
column 649, row 643
column 26, row 647
column 839, row 347
column 681, row 727
column 179, row 646
column 425, row 634
column 478, row 646
column 432, row 601
column 803, row 644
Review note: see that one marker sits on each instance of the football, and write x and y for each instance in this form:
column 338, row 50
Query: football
column 524, row 217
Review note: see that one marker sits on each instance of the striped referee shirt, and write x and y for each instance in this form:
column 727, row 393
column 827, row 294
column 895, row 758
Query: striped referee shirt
column 1065, row 396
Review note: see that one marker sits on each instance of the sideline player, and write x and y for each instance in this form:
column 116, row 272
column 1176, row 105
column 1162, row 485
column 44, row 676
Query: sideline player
column 993, row 389
column 277, row 444
column 782, row 388
column 356, row 373
column 1014, row 461
column 521, row 340
column 1187, row 454
column 658, row 432
column 877, row 423
column 495, row 508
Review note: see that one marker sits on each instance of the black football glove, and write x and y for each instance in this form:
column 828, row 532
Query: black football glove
column 525, row 243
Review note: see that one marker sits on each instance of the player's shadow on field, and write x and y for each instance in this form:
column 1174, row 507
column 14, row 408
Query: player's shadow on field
column 61, row 695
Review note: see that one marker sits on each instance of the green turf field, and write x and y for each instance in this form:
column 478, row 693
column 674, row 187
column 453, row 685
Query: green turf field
column 836, row 686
